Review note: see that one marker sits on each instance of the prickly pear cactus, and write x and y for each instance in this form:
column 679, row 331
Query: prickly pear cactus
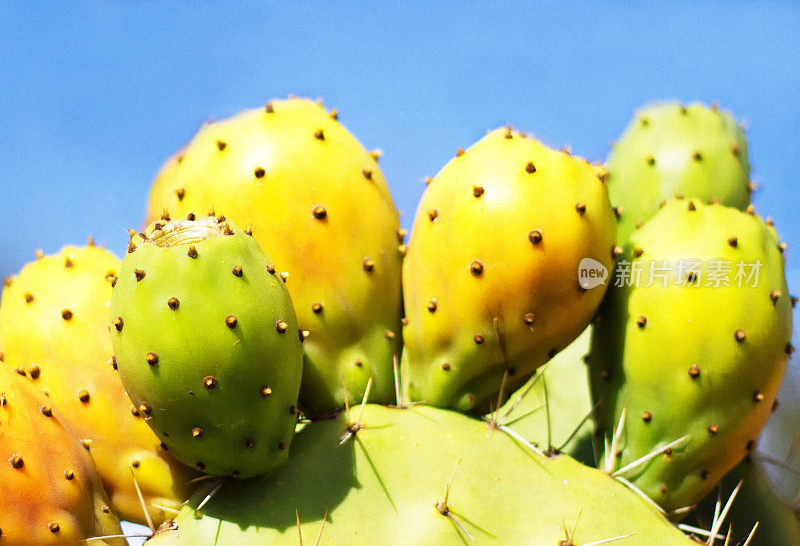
column 419, row 476
column 689, row 352
column 51, row 493
column 491, row 279
column 207, row 345
column 755, row 502
column 54, row 327
column 320, row 208
column 553, row 410
column 670, row 150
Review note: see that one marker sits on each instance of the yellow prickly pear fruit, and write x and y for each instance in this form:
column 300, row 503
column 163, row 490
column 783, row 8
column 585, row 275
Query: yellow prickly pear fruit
column 506, row 265
column 319, row 206
column 54, row 327
column 50, row 493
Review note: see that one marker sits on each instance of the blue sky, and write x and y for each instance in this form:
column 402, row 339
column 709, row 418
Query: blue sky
column 94, row 96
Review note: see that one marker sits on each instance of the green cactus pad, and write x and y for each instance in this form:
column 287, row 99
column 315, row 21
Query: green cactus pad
column 387, row 484
column 670, row 150
column 491, row 279
column 208, row 346
column 553, row 409
column 695, row 349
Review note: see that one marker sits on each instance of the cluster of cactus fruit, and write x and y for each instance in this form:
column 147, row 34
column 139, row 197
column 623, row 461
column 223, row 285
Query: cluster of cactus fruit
column 563, row 353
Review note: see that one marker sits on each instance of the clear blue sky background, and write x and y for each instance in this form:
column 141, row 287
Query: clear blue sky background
column 94, row 96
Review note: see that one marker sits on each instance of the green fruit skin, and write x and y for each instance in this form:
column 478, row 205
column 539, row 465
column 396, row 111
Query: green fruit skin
column 671, row 150
column 755, row 502
column 207, row 391
column 559, row 418
column 381, row 486
column 669, row 355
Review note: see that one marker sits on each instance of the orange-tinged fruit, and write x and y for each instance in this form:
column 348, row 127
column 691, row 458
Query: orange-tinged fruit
column 51, row 493
column 54, row 320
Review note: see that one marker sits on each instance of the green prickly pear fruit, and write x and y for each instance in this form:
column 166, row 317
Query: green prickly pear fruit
column 755, row 502
column 553, row 409
column 420, row 476
column 670, row 150
column 491, row 278
column 207, row 345
column 689, row 352
column 51, row 493
column 54, row 327
column 320, row 208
